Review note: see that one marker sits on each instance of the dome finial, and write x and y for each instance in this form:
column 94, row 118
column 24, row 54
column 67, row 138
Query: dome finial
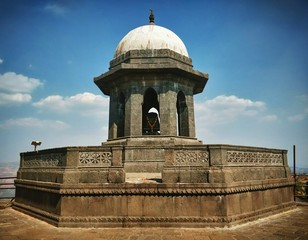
column 151, row 17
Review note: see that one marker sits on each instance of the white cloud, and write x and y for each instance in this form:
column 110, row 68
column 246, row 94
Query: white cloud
column 233, row 101
column 85, row 104
column 11, row 82
column 14, row 98
column 31, row 122
column 16, row 88
column 1, row 61
column 239, row 121
column 224, row 109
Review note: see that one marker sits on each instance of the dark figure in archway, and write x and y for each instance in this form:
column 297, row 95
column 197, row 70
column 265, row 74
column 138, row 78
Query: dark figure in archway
column 152, row 126
column 150, row 113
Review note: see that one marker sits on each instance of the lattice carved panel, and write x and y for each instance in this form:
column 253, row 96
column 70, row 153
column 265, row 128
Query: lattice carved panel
column 191, row 158
column 44, row 160
column 90, row 159
column 254, row 158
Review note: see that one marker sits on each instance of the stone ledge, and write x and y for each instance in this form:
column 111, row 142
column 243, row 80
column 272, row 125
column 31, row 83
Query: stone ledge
column 35, row 212
column 130, row 221
column 150, row 188
column 150, row 54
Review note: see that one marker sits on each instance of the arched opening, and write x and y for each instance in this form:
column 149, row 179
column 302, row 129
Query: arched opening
column 150, row 113
column 182, row 115
column 121, row 115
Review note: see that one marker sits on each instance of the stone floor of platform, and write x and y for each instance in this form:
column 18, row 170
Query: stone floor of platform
column 292, row 224
column 143, row 177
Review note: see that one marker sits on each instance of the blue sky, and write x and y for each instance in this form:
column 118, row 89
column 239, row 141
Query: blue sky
column 256, row 54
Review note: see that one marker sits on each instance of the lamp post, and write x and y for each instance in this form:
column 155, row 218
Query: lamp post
column 35, row 144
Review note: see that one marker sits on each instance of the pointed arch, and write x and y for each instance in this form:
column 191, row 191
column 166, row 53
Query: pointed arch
column 150, row 119
column 182, row 114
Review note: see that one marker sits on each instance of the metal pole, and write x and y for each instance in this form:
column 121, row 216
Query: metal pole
column 294, row 169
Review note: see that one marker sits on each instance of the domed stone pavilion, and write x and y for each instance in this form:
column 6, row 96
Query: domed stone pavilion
column 152, row 171
column 151, row 71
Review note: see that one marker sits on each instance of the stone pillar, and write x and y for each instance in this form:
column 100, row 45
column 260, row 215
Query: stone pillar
column 133, row 115
column 112, row 133
column 191, row 116
column 167, row 109
column 116, row 173
column 117, row 156
column 217, row 159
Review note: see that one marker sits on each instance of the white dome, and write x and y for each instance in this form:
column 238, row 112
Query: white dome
column 151, row 37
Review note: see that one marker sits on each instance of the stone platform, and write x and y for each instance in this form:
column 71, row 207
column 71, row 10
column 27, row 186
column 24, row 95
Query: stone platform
column 200, row 185
column 288, row 225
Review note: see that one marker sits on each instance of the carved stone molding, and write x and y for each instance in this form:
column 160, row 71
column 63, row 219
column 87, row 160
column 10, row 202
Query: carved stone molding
column 173, row 191
column 191, row 158
column 254, row 158
column 209, row 219
column 144, row 219
column 150, row 53
column 167, row 191
column 44, row 160
column 95, row 159
column 84, row 221
column 30, row 210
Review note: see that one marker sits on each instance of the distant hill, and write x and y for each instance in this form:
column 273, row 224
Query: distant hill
column 8, row 169
column 300, row 170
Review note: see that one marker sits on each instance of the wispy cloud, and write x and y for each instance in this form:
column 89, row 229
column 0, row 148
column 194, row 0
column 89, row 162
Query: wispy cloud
column 302, row 103
column 56, row 8
column 16, row 88
column 303, row 98
column 84, row 104
column 1, row 60
column 299, row 117
column 31, row 122
column 269, row 118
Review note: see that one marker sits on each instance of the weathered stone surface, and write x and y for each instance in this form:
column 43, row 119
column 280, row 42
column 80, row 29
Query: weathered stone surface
column 116, row 175
column 165, row 72
column 201, row 184
column 152, row 130
column 288, row 225
column 196, row 204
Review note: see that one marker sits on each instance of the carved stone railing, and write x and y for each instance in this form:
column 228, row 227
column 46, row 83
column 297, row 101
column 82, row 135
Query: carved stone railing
column 224, row 164
column 73, row 157
column 73, row 165
column 230, row 155
column 43, row 160
column 254, row 158
column 191, row 158
column 95, row 159
column 186, row 164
